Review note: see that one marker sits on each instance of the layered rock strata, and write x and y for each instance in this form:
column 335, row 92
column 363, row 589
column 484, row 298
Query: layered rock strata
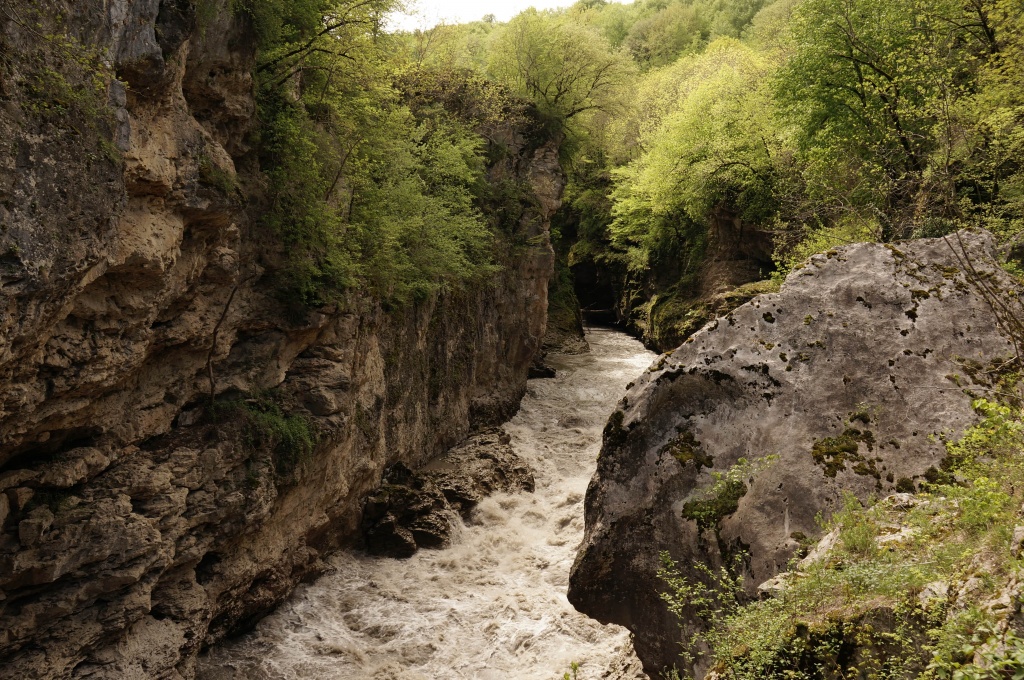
column 139, row 524
column 848, row 380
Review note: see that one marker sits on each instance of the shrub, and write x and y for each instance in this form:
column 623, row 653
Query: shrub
column 856, row 612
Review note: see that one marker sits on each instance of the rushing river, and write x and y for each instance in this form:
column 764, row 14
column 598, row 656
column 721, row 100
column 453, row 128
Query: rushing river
column 491, row 607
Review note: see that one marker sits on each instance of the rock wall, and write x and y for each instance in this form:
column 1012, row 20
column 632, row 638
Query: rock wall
column 681, row 290
column 137, row 525
column 845, row 381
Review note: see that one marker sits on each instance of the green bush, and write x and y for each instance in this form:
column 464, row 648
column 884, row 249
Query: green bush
column 291, row 438
column 863, row 598
column 857, row 529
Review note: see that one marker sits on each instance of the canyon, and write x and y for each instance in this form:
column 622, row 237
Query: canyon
column 294, row 380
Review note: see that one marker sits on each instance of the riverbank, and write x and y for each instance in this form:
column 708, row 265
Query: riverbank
column 493, row 605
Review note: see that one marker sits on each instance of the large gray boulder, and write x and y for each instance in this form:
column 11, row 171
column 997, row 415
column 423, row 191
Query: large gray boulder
column 848, row 379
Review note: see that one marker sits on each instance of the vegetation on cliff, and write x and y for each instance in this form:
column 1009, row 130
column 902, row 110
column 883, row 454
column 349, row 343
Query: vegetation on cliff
column 366, row 186
column 751, row 132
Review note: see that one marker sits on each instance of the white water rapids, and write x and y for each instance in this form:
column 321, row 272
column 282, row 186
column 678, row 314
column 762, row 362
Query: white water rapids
column 492, row 606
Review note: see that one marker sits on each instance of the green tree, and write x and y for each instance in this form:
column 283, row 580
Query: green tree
column 867, row 85
column 564, row 66
column 983, row 144
column 718, row 149
column 367, row 187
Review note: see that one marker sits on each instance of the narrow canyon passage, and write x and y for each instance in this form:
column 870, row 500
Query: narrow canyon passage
column 493, row 606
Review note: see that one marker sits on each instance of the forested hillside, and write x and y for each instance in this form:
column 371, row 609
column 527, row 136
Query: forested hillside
column 714, row 144
column 709, row 144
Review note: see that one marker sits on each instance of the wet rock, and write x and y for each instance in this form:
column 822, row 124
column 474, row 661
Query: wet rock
column 844, row 381
column 482, row 465
column 414, row 510
column 399, row 518
column 541, row 370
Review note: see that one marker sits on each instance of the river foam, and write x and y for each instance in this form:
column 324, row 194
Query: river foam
column 493, row 605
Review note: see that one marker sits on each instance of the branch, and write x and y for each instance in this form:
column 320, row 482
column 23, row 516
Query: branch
column 329, row 28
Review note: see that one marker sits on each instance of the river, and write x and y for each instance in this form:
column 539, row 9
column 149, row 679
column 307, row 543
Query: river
column 492, row 606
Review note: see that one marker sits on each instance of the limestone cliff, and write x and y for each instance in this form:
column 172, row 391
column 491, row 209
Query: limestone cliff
column 139, row 524
column 845, row 381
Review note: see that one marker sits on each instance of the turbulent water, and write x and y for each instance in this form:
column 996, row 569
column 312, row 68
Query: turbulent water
column 492, row 606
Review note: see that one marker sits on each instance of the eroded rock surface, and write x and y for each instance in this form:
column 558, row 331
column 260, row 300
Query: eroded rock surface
column 138, row 525
column 849, row 378
column 414, row 510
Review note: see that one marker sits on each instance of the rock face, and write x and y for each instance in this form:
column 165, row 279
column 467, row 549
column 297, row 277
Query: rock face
column 680, row 291
column 414, row 510
column 136, row 525
column 845, row 381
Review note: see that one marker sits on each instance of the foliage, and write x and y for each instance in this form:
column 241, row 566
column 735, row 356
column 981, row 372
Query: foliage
column 861, row 83
column 713, row 596
column 998, row 654
column 722, row 497
column 828, row 122
column 292, row 438
column 566, row 68
column 279, row 23
column 956, row 534
column 368, row 186
column 857, row 529
column 987, row 150
column 63, row 82
column 885, row 99
column 825, row 121
column 657, row 32
column 714, row 154
column 806, row 242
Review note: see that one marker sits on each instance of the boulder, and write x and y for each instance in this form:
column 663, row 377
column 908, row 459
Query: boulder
column 414, row 510
column 847, row 380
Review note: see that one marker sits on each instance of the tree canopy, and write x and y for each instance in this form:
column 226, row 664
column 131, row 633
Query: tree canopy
column 817, row 120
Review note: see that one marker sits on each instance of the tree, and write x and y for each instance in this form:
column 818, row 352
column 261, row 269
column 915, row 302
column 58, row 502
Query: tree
column 868, row 84
column 718, row 148
column 364, row 188
column 564, row 66
column 983, row 155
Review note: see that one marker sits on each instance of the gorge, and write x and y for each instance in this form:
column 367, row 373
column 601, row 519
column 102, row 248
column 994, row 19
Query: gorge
column 491, row 606
column 296, row 379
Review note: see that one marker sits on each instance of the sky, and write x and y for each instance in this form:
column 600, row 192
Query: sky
column 431, row 12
